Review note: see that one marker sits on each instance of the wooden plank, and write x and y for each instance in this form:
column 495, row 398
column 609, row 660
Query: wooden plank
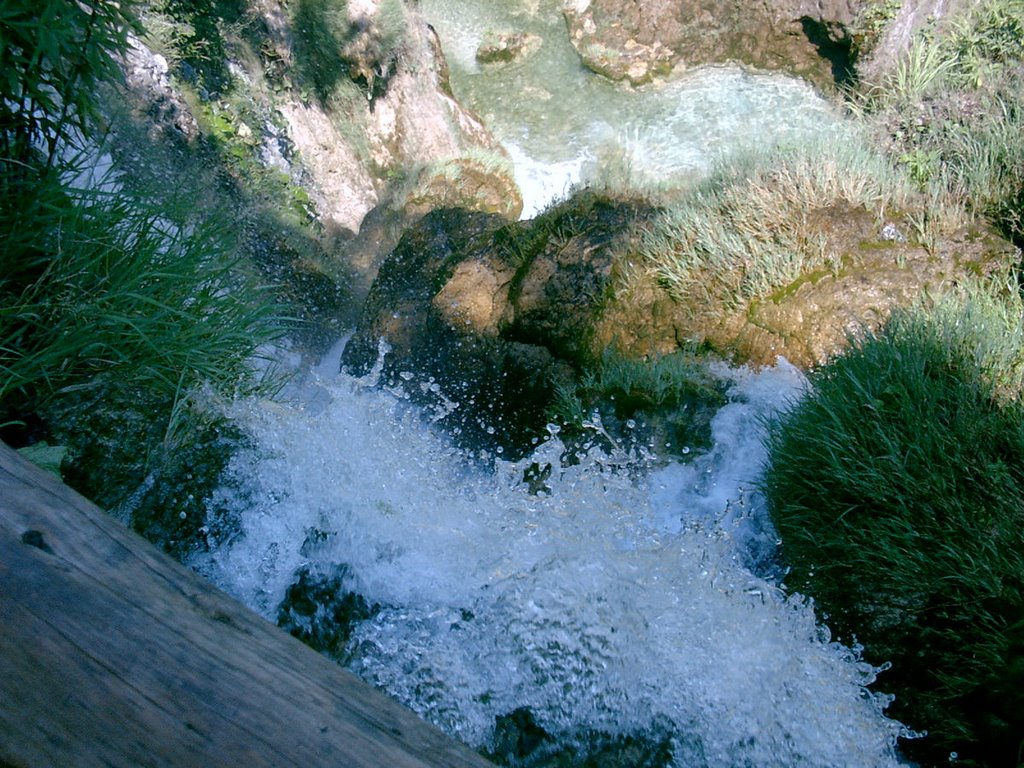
column 113, row 654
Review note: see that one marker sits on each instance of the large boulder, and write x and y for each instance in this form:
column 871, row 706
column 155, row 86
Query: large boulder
column 489, row 315
column 629, row 40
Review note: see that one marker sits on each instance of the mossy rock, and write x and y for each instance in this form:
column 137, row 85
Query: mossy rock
column 519, row 741
column 638, row 42
column 472, row 182
column 492, row 314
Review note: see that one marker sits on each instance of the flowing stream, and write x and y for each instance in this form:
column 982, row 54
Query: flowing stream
column 563, row 125
column 625, row 597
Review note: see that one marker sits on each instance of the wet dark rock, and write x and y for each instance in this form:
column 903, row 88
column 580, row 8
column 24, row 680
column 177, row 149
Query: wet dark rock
column 163, row 495
column 321, row 611
column 519, row 741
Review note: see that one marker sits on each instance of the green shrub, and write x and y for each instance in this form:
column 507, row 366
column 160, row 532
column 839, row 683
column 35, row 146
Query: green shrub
column 118, row 318
column 195, row 39
column 53, row 53
column 897, row 487
column 99, row 285
column 952, row 109
column 984, row 41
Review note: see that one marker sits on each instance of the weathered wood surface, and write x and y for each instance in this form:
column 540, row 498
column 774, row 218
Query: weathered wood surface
column 113, row 654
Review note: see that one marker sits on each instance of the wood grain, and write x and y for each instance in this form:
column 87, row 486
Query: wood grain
column 113, row 654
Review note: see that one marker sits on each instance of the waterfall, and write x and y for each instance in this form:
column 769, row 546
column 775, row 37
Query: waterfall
column 624, row 597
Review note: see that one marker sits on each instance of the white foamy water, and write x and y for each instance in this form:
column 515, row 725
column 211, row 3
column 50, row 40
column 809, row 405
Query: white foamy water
column 620, row 600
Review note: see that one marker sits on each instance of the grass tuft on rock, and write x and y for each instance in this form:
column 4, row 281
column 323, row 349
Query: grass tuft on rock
column 742, row 233
column 897, row 487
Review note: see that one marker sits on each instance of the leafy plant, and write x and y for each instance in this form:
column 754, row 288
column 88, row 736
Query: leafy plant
column 53, row 53
column 331, row 48
column 984, row 40
column 920, row 71
column 897, row 487
column 120, row 313
column 952, row 112
column 100, row 285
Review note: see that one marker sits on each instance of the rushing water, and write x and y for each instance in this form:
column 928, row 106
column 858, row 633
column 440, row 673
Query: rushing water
column 623, row 597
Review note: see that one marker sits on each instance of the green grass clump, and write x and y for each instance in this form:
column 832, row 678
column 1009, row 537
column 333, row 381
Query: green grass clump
column 897, row 487
column 952, row 112
column 122, row 315
column 673, row 395
column 99, row 285
column 741, row 234
column 120, row 321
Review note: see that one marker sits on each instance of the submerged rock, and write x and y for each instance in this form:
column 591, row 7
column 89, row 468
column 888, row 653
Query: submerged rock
column 503, row 47
column 321, row 611
column 520, row 741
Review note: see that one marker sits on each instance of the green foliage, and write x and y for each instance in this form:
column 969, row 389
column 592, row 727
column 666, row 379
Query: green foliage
column 120, row 314
column 321, row 28
column 649, row 383
column 919, row 72
column 53, row 53
column 46, row 456
column 741, row 234
column 198, row 44
column 982, row 160
column 101, row 286
column 897, row 486
column 952, row 112
column 985, row 41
